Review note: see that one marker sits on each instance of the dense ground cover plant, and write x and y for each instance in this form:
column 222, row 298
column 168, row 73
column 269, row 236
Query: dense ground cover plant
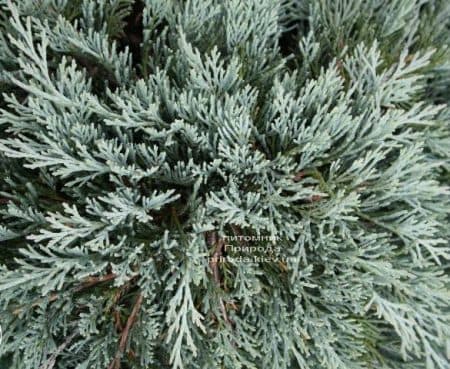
column 224, row 184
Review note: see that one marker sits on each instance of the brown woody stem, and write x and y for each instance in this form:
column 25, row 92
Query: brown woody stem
column 50, row 363
column 214, row 265
column 115, row 364
column 88, row 283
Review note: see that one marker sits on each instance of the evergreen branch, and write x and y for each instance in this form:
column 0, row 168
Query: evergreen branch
column 382, row 225
column 131, row 129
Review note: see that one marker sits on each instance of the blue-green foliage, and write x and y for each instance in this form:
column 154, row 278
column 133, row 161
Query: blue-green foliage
column 136, row 136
